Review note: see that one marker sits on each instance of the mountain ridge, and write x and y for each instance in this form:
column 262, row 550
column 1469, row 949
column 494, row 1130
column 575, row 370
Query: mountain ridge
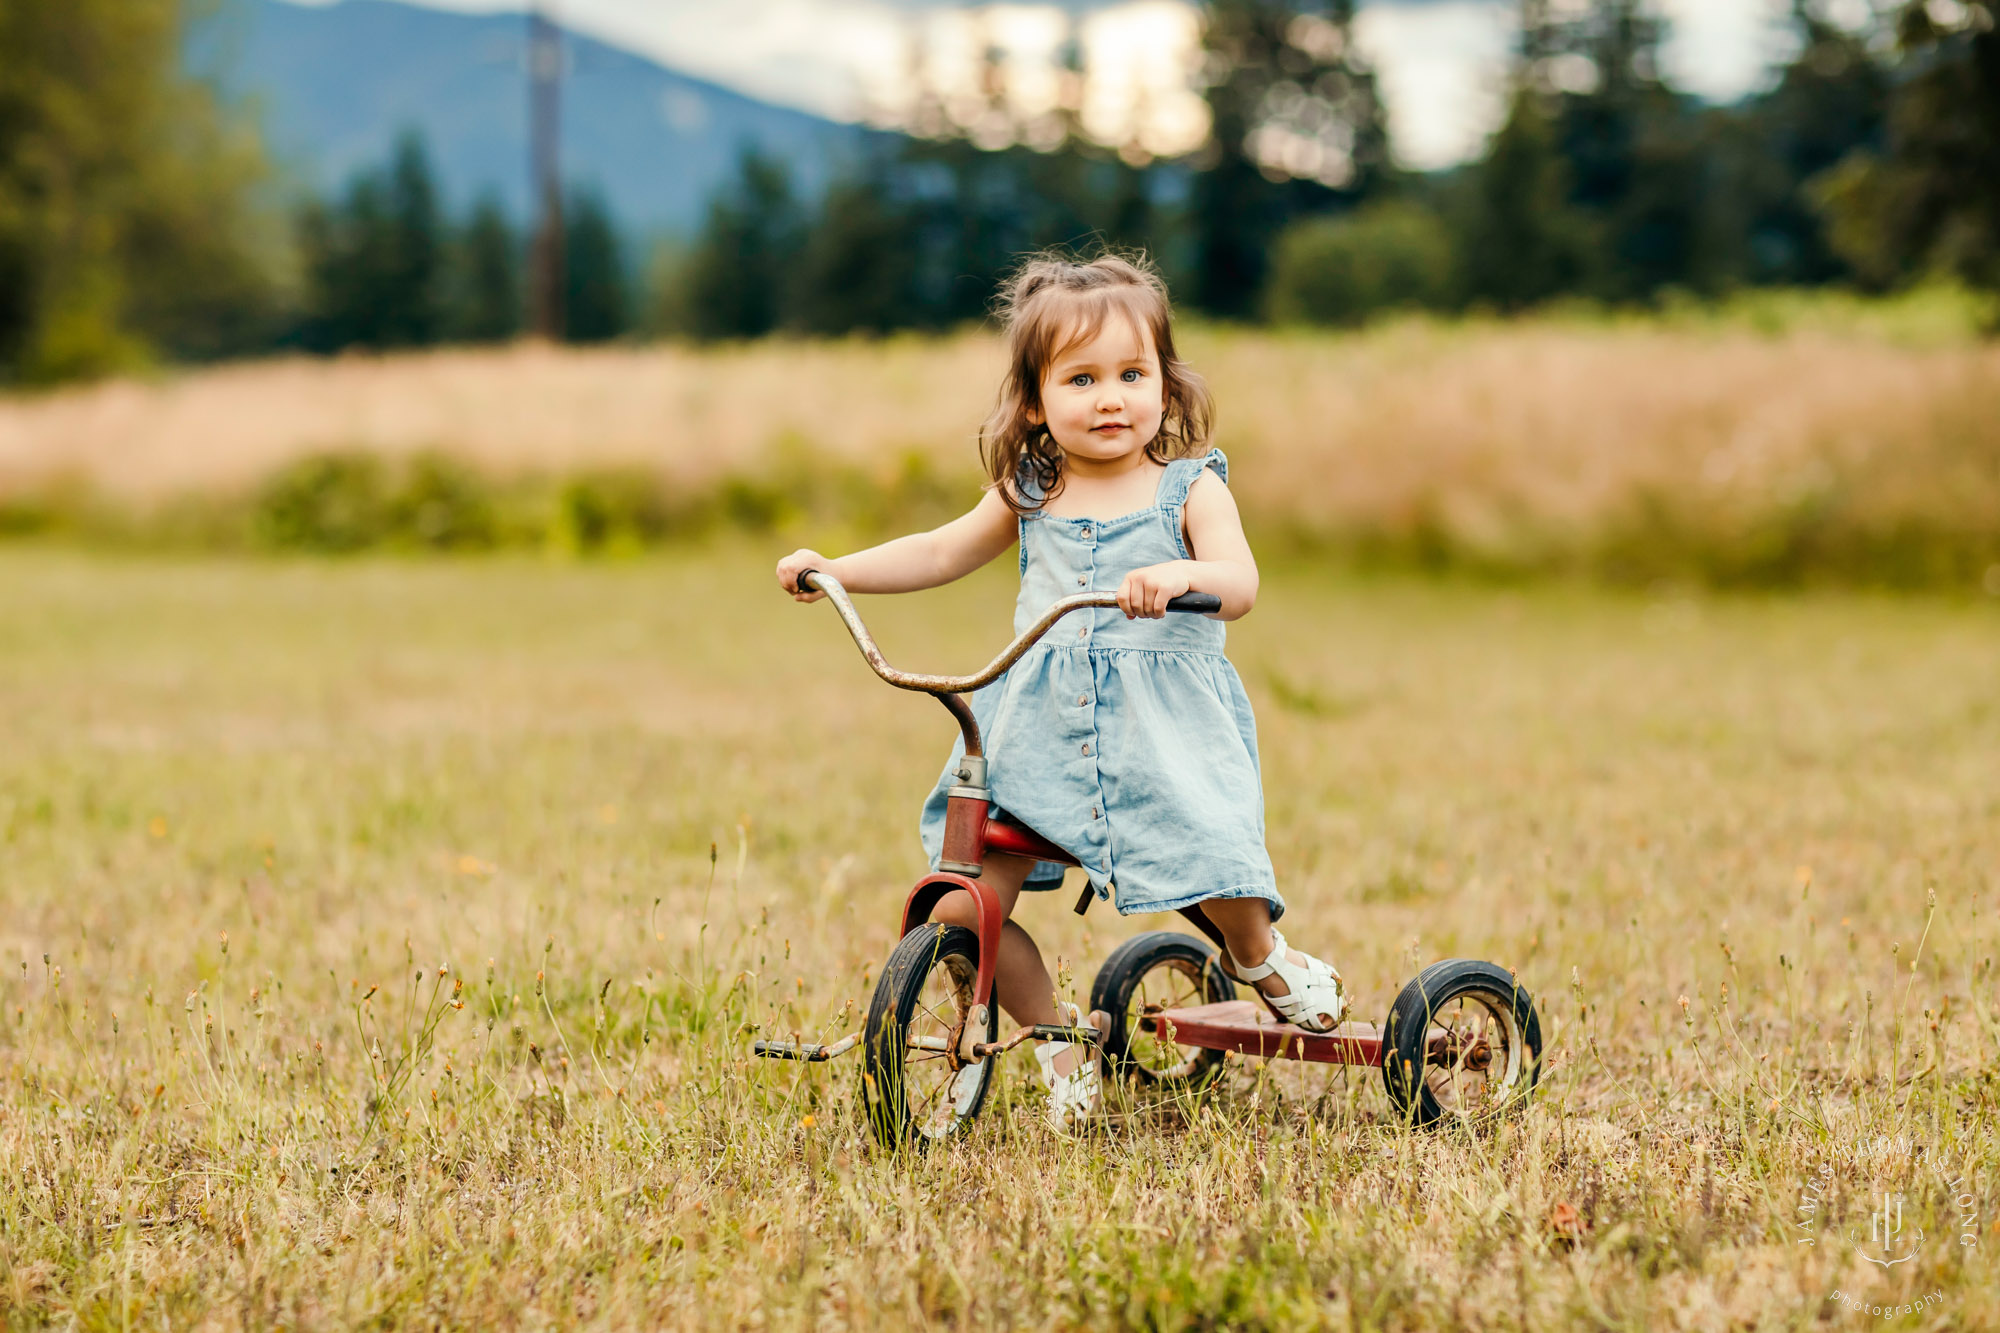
column 336, row 84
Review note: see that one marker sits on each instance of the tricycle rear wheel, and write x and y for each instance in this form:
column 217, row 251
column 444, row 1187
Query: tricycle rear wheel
column 1463, row 1044
column 1162, row 969
column 917, row 1086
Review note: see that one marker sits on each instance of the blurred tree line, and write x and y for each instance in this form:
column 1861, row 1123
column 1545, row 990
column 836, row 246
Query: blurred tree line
column 137, row 215
column 139, row 218
column 384, row 267
column 1873, row 159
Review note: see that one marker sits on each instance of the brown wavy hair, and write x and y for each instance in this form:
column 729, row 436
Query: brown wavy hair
column 1053, row 303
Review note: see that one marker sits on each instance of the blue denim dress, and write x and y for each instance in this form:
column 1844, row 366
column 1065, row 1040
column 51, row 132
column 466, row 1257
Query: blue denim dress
column 1127, row 743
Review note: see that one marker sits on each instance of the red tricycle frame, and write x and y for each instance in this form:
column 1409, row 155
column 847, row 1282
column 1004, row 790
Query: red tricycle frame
column 1415, row 1047
column 971, row 834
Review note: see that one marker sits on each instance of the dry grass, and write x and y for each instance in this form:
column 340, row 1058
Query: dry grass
column 1560, row 429
column 1641, row 449
column 692, row 414
column 249, row 810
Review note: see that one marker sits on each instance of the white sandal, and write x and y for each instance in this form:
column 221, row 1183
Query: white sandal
column 1314, row 999
column 1073, row 1096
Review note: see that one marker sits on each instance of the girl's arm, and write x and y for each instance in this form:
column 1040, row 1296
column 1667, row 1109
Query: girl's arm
column 920, row 560
column 1224, row 565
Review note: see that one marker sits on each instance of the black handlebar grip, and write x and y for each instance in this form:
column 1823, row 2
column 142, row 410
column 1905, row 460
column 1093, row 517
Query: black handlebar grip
column 800, row 581
column 1201, row 603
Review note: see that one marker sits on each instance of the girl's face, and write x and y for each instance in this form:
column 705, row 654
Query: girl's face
column 1103, row 399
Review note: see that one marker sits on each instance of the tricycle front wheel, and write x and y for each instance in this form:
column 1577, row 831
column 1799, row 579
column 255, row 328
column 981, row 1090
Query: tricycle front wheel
column 917, row 1086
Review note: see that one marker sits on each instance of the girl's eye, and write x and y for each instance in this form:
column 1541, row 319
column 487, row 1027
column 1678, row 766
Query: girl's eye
column 1079, row 381
column 1130, row 377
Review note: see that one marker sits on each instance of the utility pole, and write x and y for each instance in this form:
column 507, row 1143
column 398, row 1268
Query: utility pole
column 545, row 70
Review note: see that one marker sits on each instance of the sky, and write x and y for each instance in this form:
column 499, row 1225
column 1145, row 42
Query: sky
column 1441, row 62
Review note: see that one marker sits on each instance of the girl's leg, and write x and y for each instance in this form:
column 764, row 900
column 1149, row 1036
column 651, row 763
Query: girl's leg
column 1245, row 924
column 1021, row 981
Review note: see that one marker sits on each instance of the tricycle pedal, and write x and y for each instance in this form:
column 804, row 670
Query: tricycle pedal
column 793, row 1050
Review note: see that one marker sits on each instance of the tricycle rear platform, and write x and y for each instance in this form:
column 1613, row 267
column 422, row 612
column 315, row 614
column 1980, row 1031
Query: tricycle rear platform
column 1245, row 1026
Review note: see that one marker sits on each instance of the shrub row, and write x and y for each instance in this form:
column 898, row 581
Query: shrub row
column 1820, row 542
column 349, row 502
column 343, row 503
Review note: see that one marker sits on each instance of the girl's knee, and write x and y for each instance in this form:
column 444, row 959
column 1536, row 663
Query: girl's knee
column 957, row 908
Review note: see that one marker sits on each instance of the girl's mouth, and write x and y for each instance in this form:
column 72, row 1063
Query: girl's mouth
column 1109, row 428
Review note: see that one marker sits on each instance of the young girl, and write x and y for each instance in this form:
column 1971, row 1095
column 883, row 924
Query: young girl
column 1125, row 739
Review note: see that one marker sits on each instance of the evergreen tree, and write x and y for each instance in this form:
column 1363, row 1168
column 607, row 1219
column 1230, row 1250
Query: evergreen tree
column 1832, row 98
column 1636, row 154
column 1522, row 242
column 1630, row 147
column 341, row 248
column 859, row 268
column 1296, row 127
column 486, row 305
column 596, row 305
column 414, row 250
column 1605, row 75
column 375, row 260
column 1830, row 101
column 743, row 268
column 1930, row 198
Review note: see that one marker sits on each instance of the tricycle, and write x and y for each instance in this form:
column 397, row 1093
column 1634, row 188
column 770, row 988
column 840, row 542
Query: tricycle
column 1462, row 1042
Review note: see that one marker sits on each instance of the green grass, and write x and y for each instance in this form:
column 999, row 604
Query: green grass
column 1939, row 314
column 249, row 809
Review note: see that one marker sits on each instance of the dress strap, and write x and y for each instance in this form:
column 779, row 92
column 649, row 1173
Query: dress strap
column 1182, row 474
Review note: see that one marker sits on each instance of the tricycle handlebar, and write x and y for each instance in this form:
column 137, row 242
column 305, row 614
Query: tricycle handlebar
column 1200, row 603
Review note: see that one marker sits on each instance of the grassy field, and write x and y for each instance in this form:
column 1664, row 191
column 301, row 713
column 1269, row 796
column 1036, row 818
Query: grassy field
column 383, row 942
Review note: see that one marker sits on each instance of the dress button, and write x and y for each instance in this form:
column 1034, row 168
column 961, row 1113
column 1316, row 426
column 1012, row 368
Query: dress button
column 1082, row 699
column 1086, row 534
column 1093, row 812
column 1085, row 630
column 1083, row 580
column 1086, row 749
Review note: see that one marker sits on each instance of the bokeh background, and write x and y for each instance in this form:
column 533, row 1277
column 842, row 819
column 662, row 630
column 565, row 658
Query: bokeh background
column 1646, row 289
